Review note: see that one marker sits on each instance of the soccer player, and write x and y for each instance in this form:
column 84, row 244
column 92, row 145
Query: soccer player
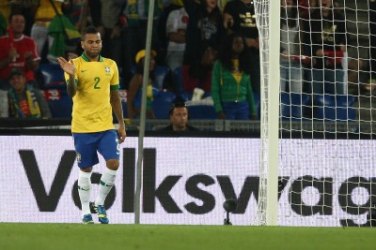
column 93, row 83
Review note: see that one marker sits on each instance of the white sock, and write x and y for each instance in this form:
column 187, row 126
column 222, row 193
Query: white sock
column 84, row 188
column 105, row 185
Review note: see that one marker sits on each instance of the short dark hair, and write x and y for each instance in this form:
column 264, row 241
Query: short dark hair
column 15, row 72
column 178, row 104
column 89, row 30
column 15, row 13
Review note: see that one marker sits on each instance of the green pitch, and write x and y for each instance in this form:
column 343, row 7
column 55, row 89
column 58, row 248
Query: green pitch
column 149, row 237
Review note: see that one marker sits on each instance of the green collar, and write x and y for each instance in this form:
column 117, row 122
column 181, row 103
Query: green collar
column 84, row 56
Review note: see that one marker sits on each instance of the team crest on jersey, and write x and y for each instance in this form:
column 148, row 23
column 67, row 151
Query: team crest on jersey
column 107, row 70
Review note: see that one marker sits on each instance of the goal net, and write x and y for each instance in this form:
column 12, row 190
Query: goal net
column 324, row 147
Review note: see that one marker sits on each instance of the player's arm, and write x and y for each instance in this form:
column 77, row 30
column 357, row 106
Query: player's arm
column 69, row 69
column 118, row 111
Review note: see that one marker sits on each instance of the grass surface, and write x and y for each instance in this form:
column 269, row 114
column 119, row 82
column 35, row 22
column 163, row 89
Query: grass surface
column 149, row 237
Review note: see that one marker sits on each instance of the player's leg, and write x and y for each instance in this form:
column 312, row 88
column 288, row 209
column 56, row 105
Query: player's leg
column 109, row 148
column 84, row 191
column 86, row 157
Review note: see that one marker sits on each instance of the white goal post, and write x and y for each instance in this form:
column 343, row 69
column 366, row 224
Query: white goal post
column 267, row 18
column 318, row 95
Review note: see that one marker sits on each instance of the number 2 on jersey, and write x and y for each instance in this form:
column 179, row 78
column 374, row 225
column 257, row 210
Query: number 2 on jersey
column 96, row 83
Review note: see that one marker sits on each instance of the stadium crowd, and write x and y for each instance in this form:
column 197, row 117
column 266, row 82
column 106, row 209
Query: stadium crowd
column 205, row 52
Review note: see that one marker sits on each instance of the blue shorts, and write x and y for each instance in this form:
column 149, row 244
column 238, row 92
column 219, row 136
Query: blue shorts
column 88, row 144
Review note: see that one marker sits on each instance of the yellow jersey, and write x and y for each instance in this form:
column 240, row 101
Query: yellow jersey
column 92, row 110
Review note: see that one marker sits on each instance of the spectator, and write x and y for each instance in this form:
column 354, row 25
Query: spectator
column 176, row 28
column 46, row 11
column 239, row 16
column 24, row 100
column 161, row 29
column 204, row 30
column 231, row 85
column 291, row 59
column 135, row 86
column 63, row 36
column 179, row 119
column 306, row 7
column 78, row 12
column 17, row 51
column 81, row 14
column 27, row 8
column 325, row 43
column 111, row 27
column 136, row 13
column 200, row 76
column 372, row 18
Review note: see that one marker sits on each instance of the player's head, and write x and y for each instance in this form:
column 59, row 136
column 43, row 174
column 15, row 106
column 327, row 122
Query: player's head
column 179, row 116
column 91, row 42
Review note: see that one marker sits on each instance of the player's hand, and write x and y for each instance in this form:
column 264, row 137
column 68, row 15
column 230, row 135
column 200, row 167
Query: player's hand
column 67, row 66
column 122, row 134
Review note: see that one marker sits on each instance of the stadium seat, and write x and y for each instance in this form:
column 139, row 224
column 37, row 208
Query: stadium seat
column 345, row 100
column 324, row 107
column 345, row 109
column 292, row 105
column 201, row 111
column 334, row 108
column 160, row 73
column 162, row 103
column 177, row 79
column 53, row 76
column 137, row 99
column 59, row 102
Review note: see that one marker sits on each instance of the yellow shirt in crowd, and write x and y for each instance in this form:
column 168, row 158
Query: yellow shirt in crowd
column 46, row 12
